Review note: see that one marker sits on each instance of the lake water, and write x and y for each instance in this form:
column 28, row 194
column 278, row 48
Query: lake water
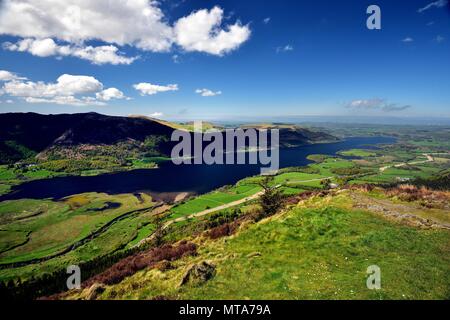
column 172, row 179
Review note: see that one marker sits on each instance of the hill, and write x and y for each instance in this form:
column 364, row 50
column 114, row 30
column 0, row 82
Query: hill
column 77, row 136
column 293, row 135
column 317, row 247
column 25, row 134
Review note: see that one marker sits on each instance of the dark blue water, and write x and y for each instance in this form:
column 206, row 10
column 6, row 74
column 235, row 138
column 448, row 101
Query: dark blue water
column 174, row 179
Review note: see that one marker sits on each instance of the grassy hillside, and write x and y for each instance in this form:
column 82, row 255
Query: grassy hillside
column 317, row 249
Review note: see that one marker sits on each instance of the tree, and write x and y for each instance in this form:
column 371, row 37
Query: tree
column 326, row 184
column 272, row 199
column 160, row 232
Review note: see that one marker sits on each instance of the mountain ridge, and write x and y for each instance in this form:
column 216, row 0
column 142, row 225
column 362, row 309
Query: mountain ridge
column 23, row 135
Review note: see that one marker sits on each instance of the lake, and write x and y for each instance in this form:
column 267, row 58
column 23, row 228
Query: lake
column 170, row 179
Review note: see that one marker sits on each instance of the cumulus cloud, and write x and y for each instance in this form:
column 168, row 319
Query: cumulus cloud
column 435, row 4
column 267, row 20
column 65, row 85
column 376, row 104
column 67, row 90
column 200, row 31
column 152, row 89
column 47, row 47
column 41, row 48
column 207, row 92
column 136, row 22
column 9, row 76
column 64, row 28
column 110, row 94
column 408, row 39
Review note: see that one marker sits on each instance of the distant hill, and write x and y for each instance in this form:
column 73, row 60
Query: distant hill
column 22, row 134
column 38, row 131
column 301, row 136
column 25, row 135
column 293, row 135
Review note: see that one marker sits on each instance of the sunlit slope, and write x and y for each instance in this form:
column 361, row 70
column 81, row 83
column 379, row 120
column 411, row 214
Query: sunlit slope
column 319, row 248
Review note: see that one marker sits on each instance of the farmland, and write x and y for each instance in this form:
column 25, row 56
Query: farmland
column 36, row 229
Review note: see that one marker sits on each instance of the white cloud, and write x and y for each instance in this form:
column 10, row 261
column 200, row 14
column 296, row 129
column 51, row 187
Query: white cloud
column 156, row 115
column 101, row 55
column 47, row 47
column 286, row 48
column 41, row 48
column 9, row 76
column 67, row 90
column 207, row 92
column 66, row 85
column 64, row 28
column 435, row 4
column 200, row 31
column 408, row 39
column 110, row 94
column 135, row 22
column 267, row 20
column 152, row 89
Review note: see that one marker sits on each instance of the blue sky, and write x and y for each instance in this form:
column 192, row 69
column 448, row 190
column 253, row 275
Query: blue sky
column 298, row 58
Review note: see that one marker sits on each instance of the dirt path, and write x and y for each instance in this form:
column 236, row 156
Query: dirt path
column 201, row 214
column 428, row 156
column 311, row 180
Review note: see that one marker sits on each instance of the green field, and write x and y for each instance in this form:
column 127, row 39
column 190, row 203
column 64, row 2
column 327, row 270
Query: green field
column 214, row 199
column 6, row 173
column 358, row 153
column 34, row 229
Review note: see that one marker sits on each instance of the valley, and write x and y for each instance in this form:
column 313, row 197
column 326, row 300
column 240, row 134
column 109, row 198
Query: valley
column 343, row 207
